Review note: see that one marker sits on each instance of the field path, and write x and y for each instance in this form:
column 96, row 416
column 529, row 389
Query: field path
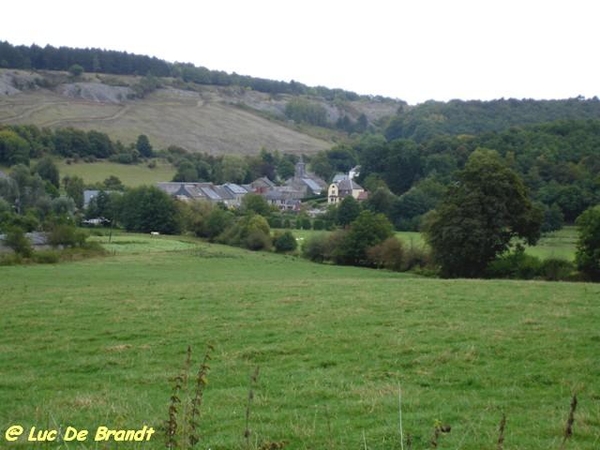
column 28, row 112
column 70, row 120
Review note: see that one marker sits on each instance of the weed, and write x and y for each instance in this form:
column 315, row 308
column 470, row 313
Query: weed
column 186, row 412
column 438, row 430
column 568, row 433
column 501, row 432
column 253, row 381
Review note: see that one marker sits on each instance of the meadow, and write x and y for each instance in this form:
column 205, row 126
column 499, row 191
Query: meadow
column 97, row 342
column 131, row 175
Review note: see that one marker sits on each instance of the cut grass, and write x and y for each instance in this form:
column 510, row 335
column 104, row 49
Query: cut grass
column 95, row 342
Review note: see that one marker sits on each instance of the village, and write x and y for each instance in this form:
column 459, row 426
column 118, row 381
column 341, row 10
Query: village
column 286, row 197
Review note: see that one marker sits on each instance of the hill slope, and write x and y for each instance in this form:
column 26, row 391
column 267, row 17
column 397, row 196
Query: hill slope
column 211, row 119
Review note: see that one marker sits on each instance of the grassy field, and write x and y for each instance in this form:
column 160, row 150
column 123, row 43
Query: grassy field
column 558, row 244
column 130, row 174
column 95, row 343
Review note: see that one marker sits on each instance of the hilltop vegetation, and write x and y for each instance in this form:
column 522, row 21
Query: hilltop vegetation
column 457, row 117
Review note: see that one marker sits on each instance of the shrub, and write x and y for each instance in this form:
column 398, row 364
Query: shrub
column 252, row 232
column 66, row 236
column 389, row 255
column 257, row 240
column 15, row 239
column 516, row 265
column 315, row 247
column 318, row 224
column 555, row 269
column 285, row 242
column 275, row 222
column 46, row 257
column 416, row 258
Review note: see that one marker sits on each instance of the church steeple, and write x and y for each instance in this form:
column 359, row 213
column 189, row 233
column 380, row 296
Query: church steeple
column 300, row 169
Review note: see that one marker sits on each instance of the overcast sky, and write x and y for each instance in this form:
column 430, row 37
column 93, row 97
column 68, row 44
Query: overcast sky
column 414, row 50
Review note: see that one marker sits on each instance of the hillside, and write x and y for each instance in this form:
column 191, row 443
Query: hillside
column 212, row 119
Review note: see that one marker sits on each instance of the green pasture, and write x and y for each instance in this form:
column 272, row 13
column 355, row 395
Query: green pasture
column 96, row 342
column 131, row 175
column 559, row 244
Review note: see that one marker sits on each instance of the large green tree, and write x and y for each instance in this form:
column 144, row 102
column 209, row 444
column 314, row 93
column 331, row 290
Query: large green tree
column 347, row 211
column 483, row 213
column 48, row 171
column 143, row 146
column 146, row 209
column 588, row 243
column 13, row 148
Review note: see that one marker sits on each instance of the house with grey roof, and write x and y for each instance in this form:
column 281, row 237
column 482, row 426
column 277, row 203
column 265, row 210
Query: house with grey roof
column 304, row 183
column 236, row 191
column 230, row 194
column 338, row 191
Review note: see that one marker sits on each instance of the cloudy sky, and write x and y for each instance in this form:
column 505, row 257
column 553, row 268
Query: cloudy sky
column 414, row 50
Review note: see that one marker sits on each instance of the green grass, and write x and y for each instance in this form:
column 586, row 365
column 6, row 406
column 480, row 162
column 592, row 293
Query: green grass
column 558, row 244
column 95, row 342
column 131, row 175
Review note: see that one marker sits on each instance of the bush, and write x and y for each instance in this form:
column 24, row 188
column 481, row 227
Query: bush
column 66, row 236
column 15, row 239
column 285, row 242
column 275, row 222
column 389, row 255
column 46, row 257
column 318, row 224
column 257, row 240
column 555, row 269
column 315, row 248
column 516, row 265
column 252, row 232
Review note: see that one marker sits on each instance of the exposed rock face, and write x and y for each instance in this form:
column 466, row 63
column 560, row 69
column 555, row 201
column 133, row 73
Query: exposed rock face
column 96, row 92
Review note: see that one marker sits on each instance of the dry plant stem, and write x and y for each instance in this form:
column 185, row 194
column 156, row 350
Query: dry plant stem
column 196, row 403
column 329, row 429
column 408, row 441
column 570, row 421
column 501, row 432
column 400, row 417
column 253, row 381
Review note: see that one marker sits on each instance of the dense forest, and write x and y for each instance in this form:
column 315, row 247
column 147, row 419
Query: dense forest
column 558, row 161
column 35, row 57
column 456, row 117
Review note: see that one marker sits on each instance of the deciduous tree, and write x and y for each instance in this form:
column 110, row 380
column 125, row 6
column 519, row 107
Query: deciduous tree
column 482, row 214
column 588, row 243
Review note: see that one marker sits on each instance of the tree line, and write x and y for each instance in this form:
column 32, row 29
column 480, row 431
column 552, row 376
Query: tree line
column 20, row 143
column 457, row 117
column 97, row 60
